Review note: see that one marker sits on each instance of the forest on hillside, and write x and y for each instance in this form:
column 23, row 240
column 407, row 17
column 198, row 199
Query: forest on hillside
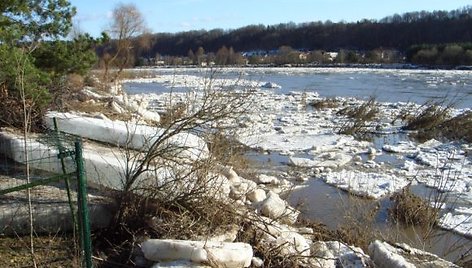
column 397, row 32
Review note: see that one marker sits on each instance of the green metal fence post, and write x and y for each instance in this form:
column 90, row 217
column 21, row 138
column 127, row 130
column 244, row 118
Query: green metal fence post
column 83, row 208
column 66, row 179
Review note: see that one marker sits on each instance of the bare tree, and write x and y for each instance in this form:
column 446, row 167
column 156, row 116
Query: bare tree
column 127, row 23
column 204, row 112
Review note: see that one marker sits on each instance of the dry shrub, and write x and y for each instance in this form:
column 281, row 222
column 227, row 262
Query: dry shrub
column 434, row 121
column 230, row 152
column 143, row 217
column 74, row 82
column 458, row 127
column 358, row 227
column 132, row 74
column 411, row 210
column 365, row 112
column 320, row 231
column 11, row 110
column 172, row 114
column 271, row 255
column 360, row 116
column 327, row 103
column 430, row 115
column 91, row 81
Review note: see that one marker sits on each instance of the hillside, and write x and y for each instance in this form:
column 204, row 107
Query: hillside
column 397, row 31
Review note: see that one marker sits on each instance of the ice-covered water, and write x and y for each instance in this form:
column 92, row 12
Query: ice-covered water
column 286, row 134
column 385, row 84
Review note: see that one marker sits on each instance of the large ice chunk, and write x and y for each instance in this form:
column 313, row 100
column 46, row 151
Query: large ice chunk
column 128, row 134
column 224, row 254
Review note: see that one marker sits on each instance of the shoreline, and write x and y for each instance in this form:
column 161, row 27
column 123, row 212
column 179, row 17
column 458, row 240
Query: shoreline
column 392, row 66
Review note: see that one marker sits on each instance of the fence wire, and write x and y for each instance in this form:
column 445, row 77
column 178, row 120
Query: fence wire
column 51, row 159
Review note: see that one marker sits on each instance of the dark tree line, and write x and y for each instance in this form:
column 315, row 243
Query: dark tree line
column 397, row 31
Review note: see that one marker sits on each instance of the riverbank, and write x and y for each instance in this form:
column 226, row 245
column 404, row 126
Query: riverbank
column 394, row 66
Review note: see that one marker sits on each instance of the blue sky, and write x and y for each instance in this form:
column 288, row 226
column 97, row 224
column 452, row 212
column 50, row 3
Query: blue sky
column 182, row 15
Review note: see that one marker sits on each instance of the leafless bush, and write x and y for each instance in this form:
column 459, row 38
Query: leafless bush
column 458, row 127
column 430, row 115
column 434, row 121
column 409, row 209
column 169, row 193
column 11, row 109
column 360, row 116
column 324, row 104
column 272, row 255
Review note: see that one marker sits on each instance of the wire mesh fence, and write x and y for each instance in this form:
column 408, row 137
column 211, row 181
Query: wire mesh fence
column 40, row 196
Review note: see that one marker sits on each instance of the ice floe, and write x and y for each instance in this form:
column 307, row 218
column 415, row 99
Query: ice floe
column 374, row 185
column 458, row 220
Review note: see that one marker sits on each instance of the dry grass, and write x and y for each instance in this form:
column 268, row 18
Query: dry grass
column 96, row 108
column 133, row 74
column 144, row 217
column 457, row 128
column 434, row 121
column 359, row 117
column 50, row 251
column 431, row 115
column 411, row 210
column 327, row 103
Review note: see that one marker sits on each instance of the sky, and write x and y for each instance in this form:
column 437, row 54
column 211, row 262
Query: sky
column 171, row 16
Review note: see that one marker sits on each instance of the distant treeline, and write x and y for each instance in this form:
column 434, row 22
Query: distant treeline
column 397, row 31
column 443, row 54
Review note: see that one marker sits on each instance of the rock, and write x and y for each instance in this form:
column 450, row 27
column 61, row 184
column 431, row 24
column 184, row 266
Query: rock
column 222, row 254
column 401, row 255
column 257, row 195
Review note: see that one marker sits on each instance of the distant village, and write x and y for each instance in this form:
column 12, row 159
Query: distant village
column 284, row 56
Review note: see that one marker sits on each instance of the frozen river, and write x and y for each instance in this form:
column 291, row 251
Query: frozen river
column 387, row 85
column 287, row 134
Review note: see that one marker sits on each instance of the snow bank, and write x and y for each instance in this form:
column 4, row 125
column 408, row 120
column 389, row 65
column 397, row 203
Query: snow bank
column 374, row 185
column 224, row 254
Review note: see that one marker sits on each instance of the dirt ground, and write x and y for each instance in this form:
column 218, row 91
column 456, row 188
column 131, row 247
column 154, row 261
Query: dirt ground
column 50, row 251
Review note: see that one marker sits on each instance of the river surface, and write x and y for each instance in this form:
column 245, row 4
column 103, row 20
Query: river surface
column 321, row 201
column 387, row 85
